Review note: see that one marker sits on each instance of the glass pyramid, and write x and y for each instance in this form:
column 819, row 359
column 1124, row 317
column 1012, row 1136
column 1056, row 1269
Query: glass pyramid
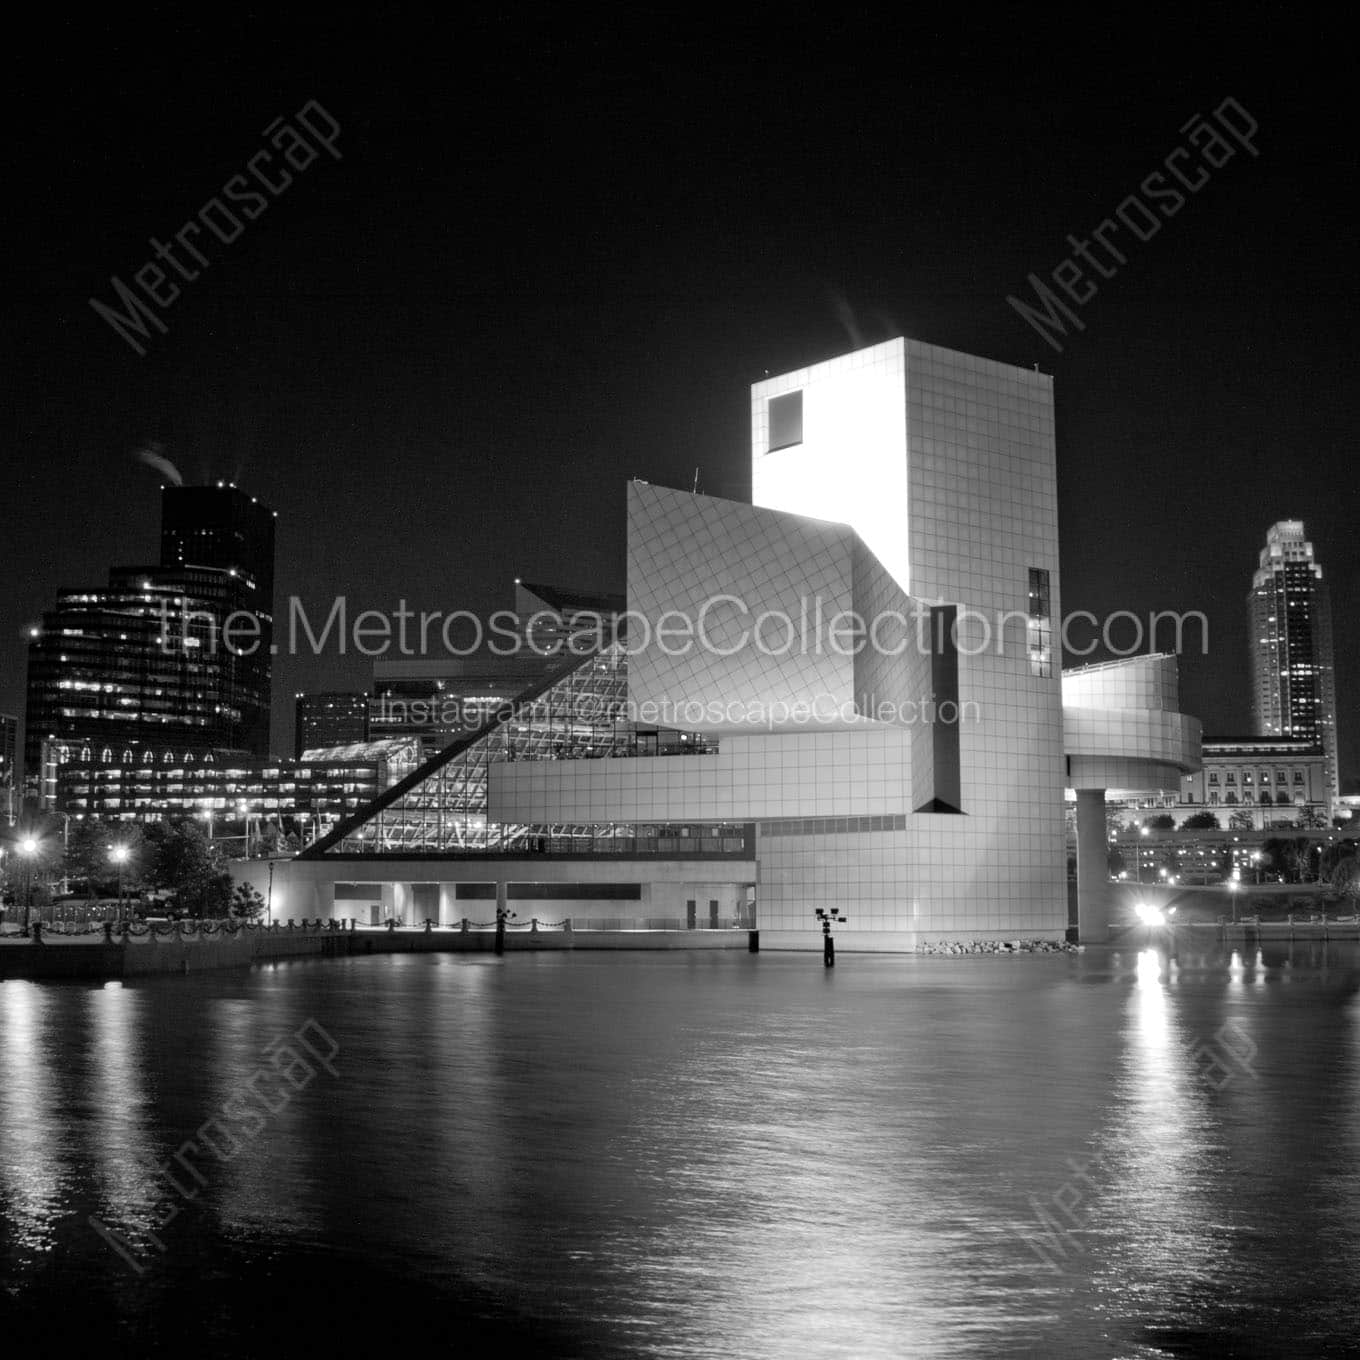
column 578, row 712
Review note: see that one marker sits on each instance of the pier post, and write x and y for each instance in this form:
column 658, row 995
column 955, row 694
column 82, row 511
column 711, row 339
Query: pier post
column 753, row 941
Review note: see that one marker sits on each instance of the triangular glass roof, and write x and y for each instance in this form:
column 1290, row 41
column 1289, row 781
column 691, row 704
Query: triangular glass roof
column 578, row 712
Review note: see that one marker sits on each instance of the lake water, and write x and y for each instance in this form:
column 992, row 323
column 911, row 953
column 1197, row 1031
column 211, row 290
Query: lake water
column 692, row 1155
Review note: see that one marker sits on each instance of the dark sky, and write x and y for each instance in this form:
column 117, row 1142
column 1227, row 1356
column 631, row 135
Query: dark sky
column 554, row 256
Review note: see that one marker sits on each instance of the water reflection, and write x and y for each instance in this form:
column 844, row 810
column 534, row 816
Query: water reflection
column 659, row 1156
column 120, row 1147
column 32, row 1169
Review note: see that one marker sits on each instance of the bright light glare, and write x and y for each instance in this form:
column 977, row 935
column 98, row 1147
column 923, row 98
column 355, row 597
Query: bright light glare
column 118, row 853
column 28, row 845
column 851, row 467
column 1149, row 916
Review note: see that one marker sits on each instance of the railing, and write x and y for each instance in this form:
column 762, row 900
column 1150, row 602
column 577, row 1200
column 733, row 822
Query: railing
column 533, row 925
column 121, row 932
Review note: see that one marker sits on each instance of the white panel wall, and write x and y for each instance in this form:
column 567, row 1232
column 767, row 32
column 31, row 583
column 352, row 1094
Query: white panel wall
column 852, row 464
column 809, row 774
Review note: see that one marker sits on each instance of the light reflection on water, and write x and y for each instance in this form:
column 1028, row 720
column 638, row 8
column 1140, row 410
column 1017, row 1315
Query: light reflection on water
column 677, row 1155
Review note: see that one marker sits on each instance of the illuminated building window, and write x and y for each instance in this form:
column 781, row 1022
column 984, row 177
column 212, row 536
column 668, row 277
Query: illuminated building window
column 786, row 420
column 1040, row 631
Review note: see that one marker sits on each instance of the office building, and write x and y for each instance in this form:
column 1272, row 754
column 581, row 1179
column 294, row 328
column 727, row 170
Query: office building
column 1292, row 672
column 173, row 656
column 11, row 778
column 1270, row 781
column 329, row 719
column 231, row 794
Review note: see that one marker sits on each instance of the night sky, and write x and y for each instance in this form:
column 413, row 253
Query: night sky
column 553, row 257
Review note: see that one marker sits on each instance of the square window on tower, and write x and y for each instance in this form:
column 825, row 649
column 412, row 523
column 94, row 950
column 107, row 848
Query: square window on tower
column 786, row 420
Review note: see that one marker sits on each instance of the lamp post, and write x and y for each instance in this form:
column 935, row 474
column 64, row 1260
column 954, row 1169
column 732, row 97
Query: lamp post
column 1234, row 883
column 119, row 855
column 270, row 909
column 1142, row 831
column 208, row 817
column 826, row 915
column 28, row 848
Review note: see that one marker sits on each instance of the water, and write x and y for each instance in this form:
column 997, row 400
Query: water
column 696, row 1155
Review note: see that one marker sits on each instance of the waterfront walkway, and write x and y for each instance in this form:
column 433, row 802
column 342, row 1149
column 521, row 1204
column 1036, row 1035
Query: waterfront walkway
column 185, row 947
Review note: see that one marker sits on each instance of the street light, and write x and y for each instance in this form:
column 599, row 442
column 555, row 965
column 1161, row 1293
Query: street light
column 28, row 848
column 119, row 855
column 827, row 915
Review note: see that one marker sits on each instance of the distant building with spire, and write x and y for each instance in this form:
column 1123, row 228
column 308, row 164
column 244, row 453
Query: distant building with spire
column 1293, row 675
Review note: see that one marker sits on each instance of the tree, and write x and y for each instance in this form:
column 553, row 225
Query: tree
column 90, row 856
column 1118, row 821
column 1274, row 854
column 1200, row 821
column 246, row 902
column 1240, row 820
column 1311, row 818
column 1297, row 858
column 190, row 866
column 1162, row 822
column 267, row 839
column 1332, row 855
column 1346, row 880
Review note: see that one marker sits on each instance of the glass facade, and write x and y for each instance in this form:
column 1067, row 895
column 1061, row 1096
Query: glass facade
column 147, row 660
column 577, row 714
column 183, row 786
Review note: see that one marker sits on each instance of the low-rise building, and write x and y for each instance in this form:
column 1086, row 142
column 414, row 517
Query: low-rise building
column 233, row 795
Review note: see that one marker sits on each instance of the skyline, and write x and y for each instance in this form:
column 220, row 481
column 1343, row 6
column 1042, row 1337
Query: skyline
column 515, row 326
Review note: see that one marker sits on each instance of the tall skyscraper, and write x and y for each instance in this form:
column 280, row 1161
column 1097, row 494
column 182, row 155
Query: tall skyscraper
column 1293, row 679
column 10, row 780
column 147, row 661
column 221, row 529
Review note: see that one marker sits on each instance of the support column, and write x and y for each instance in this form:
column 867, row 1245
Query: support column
column 1093, row 868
